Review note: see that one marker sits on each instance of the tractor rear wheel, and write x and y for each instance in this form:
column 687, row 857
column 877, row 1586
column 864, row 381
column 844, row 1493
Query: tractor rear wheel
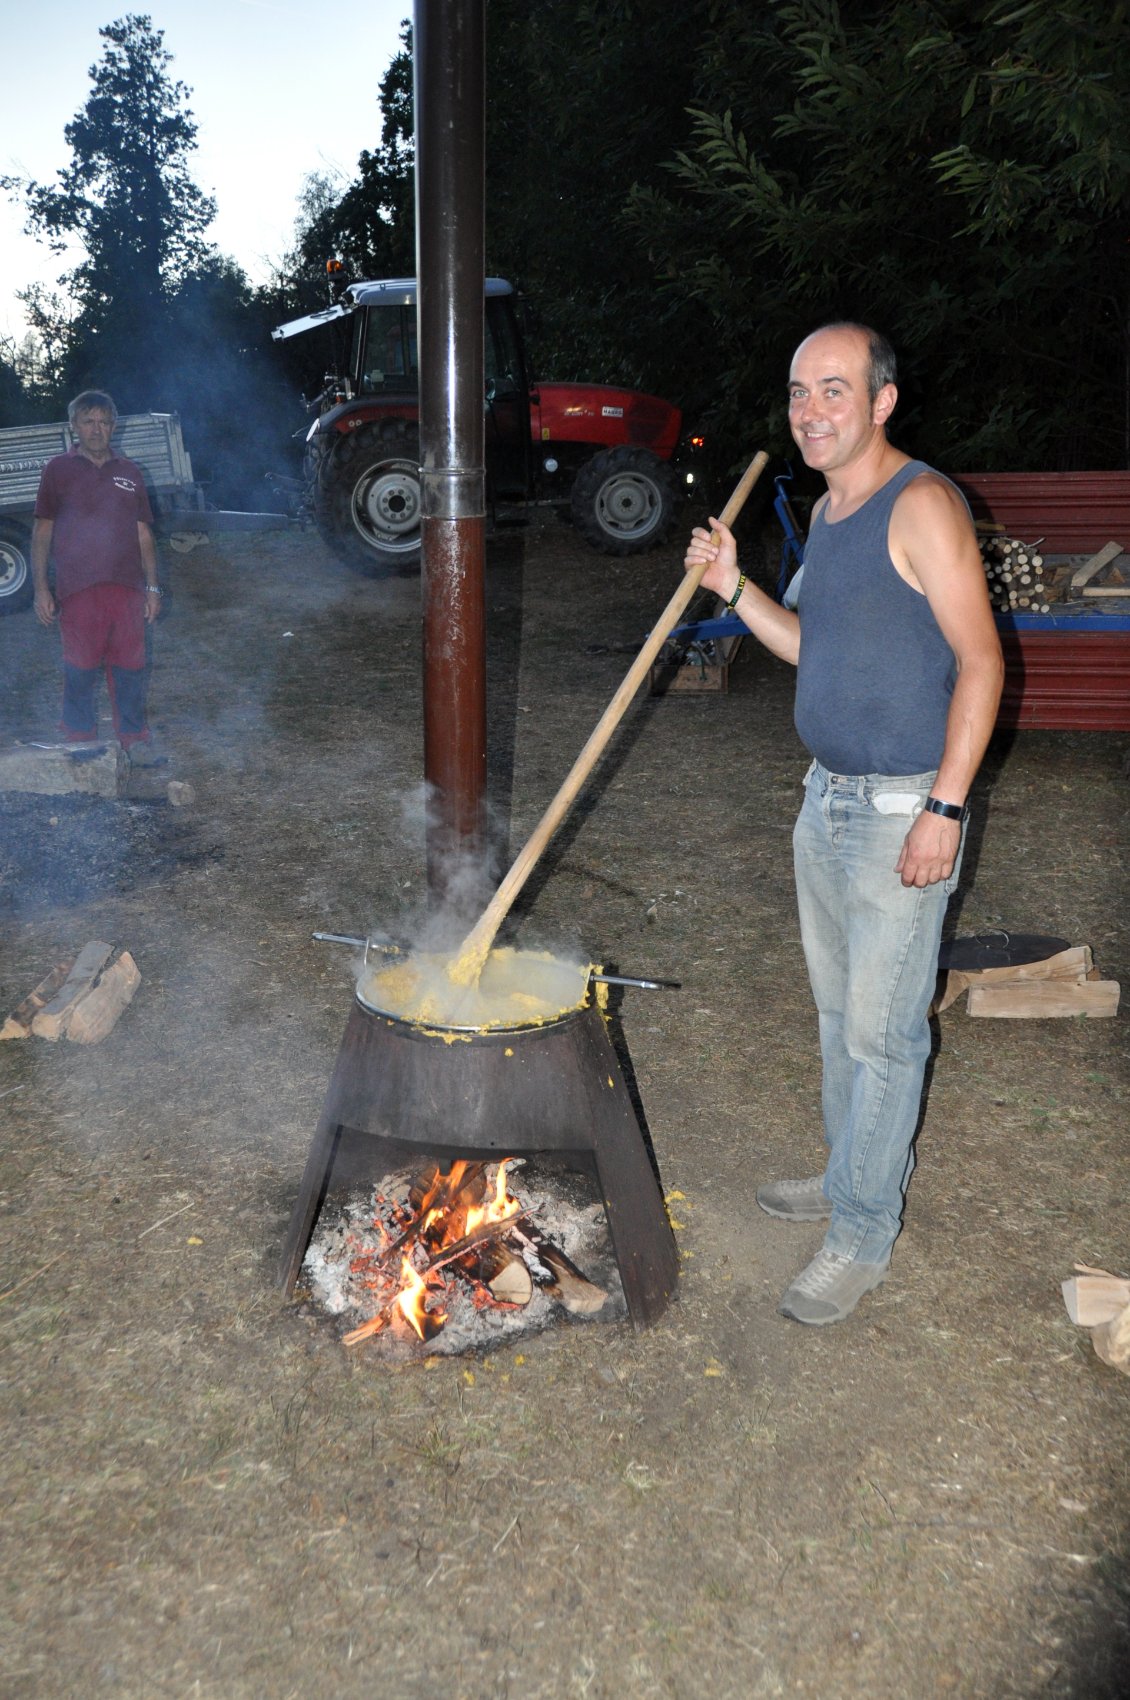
column 17, row 587
column 366, row 497
column 623, row 501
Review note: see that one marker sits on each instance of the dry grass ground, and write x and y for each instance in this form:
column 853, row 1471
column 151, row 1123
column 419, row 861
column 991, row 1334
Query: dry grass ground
column 206, row 1496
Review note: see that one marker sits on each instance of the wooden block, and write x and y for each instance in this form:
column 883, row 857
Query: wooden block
column 97, row 1013
column 1082, row 575
column 18, row 1024
column 96, row 770
column 1075, row 963
column 1041, row 999
column 1094, row 1295
column 50, row 1022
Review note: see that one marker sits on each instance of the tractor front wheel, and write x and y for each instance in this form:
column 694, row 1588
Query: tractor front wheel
column 623, row 501
column 366, row 497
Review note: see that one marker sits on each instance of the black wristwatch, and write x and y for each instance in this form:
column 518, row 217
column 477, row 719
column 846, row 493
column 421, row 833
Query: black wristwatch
column 952, row 811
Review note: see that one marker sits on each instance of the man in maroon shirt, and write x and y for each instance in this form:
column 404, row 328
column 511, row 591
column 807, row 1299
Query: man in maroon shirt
column 92, row 515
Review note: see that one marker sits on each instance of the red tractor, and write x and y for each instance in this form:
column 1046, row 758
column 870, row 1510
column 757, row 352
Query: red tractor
column 609, row 450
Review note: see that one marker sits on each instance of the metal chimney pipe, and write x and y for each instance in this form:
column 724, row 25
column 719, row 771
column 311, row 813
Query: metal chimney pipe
column 449, row 60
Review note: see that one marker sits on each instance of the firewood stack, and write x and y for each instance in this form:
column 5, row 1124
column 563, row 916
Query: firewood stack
column 1015, row 575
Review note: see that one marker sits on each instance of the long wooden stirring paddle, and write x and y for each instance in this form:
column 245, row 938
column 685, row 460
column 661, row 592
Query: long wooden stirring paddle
column 467, row 965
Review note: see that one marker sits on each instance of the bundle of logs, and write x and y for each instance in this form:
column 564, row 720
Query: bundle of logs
column 80, row 1000
column 1014, row 571
column 1064, row 984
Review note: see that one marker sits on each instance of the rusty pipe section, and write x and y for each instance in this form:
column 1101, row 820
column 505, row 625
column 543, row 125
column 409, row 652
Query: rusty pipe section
column 449, row 56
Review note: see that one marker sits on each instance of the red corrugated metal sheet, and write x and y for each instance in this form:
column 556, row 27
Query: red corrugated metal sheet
column 1074, row 512
column 1066, row 681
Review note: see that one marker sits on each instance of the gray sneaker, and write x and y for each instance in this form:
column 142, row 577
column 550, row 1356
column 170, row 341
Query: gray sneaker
column 795, row 1201
column 829, row 1288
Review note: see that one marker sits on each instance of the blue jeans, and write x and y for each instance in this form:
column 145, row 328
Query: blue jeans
column 871, row 945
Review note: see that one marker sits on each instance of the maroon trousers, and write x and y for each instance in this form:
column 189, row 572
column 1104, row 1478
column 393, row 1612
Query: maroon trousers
column 103, row 630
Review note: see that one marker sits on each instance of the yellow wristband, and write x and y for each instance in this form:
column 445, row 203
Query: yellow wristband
column 736, row 597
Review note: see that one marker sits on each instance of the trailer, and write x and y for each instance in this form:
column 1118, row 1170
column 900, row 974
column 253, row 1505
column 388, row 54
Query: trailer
column 153, row 440
column 1066, row 669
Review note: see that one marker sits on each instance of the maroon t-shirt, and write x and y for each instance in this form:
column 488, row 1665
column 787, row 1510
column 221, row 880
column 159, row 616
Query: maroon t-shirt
column 96, row 510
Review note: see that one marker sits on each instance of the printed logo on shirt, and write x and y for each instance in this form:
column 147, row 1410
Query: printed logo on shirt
column 125, row 484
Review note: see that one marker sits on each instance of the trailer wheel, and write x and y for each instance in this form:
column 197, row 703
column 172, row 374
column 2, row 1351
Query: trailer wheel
column 623, row 501
column 366, row 497
column 17, row 588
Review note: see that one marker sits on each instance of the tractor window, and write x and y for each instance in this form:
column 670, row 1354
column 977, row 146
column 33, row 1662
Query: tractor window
column 384, row 350
column 502, row 356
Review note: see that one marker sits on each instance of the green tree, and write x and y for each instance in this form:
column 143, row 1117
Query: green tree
column 128, row 199
column 956, row 173
column 585, row 98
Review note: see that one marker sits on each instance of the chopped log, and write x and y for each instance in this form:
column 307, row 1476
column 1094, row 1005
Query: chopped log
column 1083, row 575
column 1094, row 1295
column 1044, row 999
column 571, row 1288
column 470, row 1242
column 1075, row 963
column 55, row 770
column 97, row 1013
column 1097, row 1300
column 503, row 1271
column 18, row 1024
column 1112, row 1341
column 50, row 1022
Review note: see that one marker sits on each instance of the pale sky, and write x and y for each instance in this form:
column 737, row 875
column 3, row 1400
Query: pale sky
column 278, row 90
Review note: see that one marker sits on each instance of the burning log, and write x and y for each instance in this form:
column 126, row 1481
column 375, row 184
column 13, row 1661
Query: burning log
column 437, row 1195
column 415, row 1288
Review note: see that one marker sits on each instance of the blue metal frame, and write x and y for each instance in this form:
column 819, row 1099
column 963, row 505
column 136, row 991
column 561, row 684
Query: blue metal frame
column 792, row 558
column 1064, row 621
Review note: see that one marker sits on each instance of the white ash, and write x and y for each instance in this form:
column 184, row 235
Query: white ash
column 560, row 1205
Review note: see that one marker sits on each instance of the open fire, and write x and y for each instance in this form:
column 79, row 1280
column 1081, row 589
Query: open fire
column 452, row 1252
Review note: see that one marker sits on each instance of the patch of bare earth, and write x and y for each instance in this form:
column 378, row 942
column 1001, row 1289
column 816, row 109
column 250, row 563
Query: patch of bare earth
column 207, row 1495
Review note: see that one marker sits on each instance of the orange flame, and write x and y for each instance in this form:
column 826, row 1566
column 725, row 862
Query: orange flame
column 499, row 1207
column 412, row 1300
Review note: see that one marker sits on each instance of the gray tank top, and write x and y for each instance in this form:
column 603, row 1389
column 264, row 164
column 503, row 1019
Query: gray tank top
column 875, row 674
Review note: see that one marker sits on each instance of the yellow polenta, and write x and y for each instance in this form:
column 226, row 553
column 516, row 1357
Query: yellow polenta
column 516, row 988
